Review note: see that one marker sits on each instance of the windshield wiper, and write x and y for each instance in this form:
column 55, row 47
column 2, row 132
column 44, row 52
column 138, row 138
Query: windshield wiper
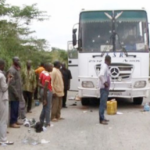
column 123, row 48
column 125, row 52
column 113, row 35
column 113, row 20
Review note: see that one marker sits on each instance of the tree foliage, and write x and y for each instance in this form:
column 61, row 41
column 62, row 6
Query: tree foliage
column 16, row 36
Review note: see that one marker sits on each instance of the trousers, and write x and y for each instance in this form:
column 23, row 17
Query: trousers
column 103, row 100
column 64, row 98
column 3, row 120
column 45, row 114
column 56, row 107
column 22, row 108
column 28, row 98
column 14, row 108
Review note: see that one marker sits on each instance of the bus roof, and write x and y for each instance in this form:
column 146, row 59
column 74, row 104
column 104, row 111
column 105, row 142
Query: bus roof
column 114, row 10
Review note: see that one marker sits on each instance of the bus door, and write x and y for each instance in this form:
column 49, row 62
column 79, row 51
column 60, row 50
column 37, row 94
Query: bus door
column 73, row 66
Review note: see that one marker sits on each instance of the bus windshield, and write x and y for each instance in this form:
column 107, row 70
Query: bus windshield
column 130, row 27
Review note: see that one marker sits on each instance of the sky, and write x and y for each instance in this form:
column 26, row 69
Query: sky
column 65, row 13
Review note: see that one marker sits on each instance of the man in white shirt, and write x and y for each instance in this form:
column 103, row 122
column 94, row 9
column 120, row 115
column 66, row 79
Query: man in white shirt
column 104, row 78
column 4, row 105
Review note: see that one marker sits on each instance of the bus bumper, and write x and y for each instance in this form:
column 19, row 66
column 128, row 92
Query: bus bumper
column 123, row 90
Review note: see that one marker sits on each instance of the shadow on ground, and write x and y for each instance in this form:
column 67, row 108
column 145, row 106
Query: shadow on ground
column 121, row 103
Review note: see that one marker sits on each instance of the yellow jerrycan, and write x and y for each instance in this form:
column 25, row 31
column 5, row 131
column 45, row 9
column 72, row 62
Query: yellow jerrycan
column 112, row 107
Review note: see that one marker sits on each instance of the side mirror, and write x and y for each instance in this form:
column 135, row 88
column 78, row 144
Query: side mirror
column 74, row 37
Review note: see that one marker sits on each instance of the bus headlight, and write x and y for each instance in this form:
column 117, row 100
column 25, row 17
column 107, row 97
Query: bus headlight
column 87, row 84
column 139, row 84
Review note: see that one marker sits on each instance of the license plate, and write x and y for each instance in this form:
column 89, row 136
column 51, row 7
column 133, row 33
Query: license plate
column 115, row 93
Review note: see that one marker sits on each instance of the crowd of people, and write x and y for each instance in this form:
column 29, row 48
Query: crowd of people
column 19, row 86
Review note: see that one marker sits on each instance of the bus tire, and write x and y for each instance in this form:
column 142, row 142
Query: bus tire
column 85, row 101
column 138, row 100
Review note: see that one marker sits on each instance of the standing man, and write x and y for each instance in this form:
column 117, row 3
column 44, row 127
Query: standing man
column 104, row 78
column 38, row 72
column 46, row 93
column 29, row 84
column 58, row 92
column 4, row 104
column 40, row 69
column 17, row 102
column 66, row 79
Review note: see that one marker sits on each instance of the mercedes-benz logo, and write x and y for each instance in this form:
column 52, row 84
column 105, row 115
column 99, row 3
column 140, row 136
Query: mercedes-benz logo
column 114, row 72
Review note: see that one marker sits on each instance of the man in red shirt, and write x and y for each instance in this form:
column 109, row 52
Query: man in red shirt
column 46, row 93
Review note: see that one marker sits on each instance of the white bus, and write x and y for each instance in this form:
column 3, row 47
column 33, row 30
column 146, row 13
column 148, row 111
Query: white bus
column 122, row 34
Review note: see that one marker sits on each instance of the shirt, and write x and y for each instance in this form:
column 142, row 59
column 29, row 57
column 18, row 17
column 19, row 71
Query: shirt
column 45, row 77
column 39, row 70
column 66, row 77
column 3, row 87
column 57, row 82
column 104, row 76
column 28, row 80
column 15, row 85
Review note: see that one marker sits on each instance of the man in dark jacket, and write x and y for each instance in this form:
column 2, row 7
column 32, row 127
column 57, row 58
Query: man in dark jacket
column 66, row 79
column 17, row 102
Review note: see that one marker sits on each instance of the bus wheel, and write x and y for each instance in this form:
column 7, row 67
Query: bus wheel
column 85, row 101
column 138, row 100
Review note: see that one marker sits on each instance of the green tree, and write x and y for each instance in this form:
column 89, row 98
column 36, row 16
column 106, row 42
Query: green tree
column 16, row 36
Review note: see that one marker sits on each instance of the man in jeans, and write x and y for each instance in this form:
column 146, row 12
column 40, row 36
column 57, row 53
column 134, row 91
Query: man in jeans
column 17, row 102
column 104, row 78
column 46, row 93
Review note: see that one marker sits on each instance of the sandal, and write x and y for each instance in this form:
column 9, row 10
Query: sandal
column 7, row 143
